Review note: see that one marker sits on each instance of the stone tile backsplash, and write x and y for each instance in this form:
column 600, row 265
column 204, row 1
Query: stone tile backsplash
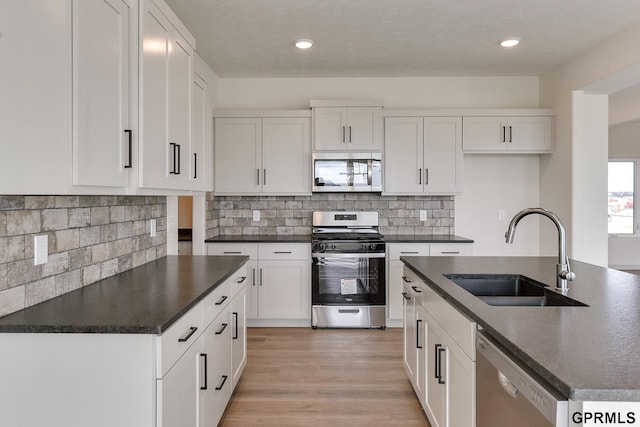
column 282, row 215
column 90, row 238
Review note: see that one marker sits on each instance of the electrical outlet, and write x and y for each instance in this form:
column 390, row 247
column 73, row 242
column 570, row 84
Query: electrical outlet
column 40, row 249
column 256, row 215
column 423, row 215
column 501, row 215
column 153, row 228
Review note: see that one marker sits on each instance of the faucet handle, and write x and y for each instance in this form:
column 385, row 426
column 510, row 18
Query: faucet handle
column 567, row 274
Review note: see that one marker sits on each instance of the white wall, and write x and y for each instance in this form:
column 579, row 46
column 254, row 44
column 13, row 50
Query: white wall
column 624, row 140
column 624, row 106
column 556, row 91
column 492, row 182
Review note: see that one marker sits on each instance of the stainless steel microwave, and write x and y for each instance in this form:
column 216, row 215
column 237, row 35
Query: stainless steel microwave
column 342, row 172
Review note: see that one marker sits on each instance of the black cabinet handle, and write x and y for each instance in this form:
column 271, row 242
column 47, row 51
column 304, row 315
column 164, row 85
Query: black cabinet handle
column 264, row 177
column 204, row 355
column 416, row 289
column 418, row 321
column 253, row 276
column 224, row 380
column 426, row 176
column 349, row 133
column 173, row 158
column 260, row 277
column 510, row 134
column 404, row 294
column 192, row 330
column 281, row 252
column 242, row 279
column 436, row 364
column 195, row 165
column 222, row 328
column 258, row 176
column 439, row 349
column 222, row 300
column 235, row 322
column 504, row 132
column 231, row 252
column 450, row 252
column 129, row 134
column 178, row 171
column 420, row 176
column 405, row 278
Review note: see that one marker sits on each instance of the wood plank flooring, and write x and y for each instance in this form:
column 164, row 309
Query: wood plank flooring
column 324, row 377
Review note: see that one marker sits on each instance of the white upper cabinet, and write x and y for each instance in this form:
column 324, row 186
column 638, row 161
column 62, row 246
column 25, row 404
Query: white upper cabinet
column 423, row 155
column 102, row 135
column 347, row 128
column 201, row 133
column 516, row 134
column 165, row 104
column 270, row 155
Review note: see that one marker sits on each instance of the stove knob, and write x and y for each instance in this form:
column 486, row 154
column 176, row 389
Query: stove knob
column 333, row 247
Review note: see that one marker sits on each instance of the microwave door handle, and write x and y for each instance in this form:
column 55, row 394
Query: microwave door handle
column 369, row 172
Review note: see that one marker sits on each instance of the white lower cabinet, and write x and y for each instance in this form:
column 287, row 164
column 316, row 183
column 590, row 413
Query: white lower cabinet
column 239, row 334
column 439, row 355
column 177, row 392
column 279, row 281
column 395, row 269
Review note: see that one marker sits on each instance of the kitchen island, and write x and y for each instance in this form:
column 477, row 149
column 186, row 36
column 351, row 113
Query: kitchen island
column 588, row 353
column 162, row 344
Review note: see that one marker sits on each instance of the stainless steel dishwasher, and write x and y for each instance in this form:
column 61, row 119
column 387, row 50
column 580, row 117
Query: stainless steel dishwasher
column 508, row 396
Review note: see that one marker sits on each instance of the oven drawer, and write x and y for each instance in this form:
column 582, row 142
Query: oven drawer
column 278, row 251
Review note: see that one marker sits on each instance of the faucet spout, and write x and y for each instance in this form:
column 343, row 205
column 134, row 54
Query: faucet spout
column 563, row 268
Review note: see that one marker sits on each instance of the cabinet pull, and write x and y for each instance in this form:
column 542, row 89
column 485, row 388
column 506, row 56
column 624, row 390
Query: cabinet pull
column 173, row 158
column 129, row 134
column 195, row 165
column 192, row 330
column 222, row 300
column 253, row 276
column 439, row 357
column 510, row 135
column 450, row 252
column 204, row 387
column 348, row 310
column 349, row 133
column 405, row 279
column 231, row 252
column 504, row 131
column 436, row 364
column 343, row 132
column 222, row 328
column 261, row 277
column 416, row 289
column 224, row 380
column 264, row 177
column 418, row 321
column 235, row 325
column 420, row 176
column 282, row 252
column 242, row 279
column 258, row 176
column 404, row 295
column 178, row 161
column 409, row 252
column 426, row 176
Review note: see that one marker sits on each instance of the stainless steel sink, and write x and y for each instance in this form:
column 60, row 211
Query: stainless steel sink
column 510, row 290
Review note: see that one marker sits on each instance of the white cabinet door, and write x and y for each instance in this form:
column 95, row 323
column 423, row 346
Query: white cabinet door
column 409, row 333
column 436, row 381
column 199, row 132
column 154, row 101
column 394, row 290
column 363, row 128
column 238, row 334
column 403, row 155
column 484, row 134
column 284, row 290
column 238, row 155
column 530, row 134
column 286, row 156
column 422, row 347
column 330, row 128
column 252, row 289
column 461, row 386
column 442, row 170
column 101, row 150
column 178, row 392
column 180, row 82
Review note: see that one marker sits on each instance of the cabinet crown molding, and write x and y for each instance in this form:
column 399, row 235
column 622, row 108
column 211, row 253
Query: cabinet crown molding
column 345, row 103
column 468, row 112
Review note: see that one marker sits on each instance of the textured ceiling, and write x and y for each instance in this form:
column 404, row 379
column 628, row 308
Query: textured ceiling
column 392, row 38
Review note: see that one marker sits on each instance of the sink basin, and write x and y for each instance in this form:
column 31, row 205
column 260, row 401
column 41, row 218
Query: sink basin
column 510, row 290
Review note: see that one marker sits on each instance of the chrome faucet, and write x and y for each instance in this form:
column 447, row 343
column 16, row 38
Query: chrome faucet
column 563, row 268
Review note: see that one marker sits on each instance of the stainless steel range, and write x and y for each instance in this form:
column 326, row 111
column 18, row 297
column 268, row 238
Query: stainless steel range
column 348, row 271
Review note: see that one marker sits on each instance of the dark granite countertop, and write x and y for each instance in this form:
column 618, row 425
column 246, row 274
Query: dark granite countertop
column 427, row 238
column 389, row 238
column 588, row 353
column 280, row 238
column 144, row 300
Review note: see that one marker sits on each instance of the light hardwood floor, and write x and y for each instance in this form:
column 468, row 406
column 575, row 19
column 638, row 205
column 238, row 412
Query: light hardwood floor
column 324, row 377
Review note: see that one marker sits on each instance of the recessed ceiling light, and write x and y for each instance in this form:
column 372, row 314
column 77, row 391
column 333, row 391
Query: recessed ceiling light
column 510, row 42
column 303, row 43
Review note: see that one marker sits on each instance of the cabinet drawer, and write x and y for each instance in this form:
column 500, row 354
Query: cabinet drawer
column 451, row 249
column 396, row 250
column 239, row 280
column 249, row 249
column 278, row 251
column 414, row 284
column 216, row 301
column 456, row 325
column 217, row 337
column 177, row 339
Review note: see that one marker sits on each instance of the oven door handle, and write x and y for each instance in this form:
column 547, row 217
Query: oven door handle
column 352, row 255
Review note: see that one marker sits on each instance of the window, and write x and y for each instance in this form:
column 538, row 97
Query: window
column 622, row 183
